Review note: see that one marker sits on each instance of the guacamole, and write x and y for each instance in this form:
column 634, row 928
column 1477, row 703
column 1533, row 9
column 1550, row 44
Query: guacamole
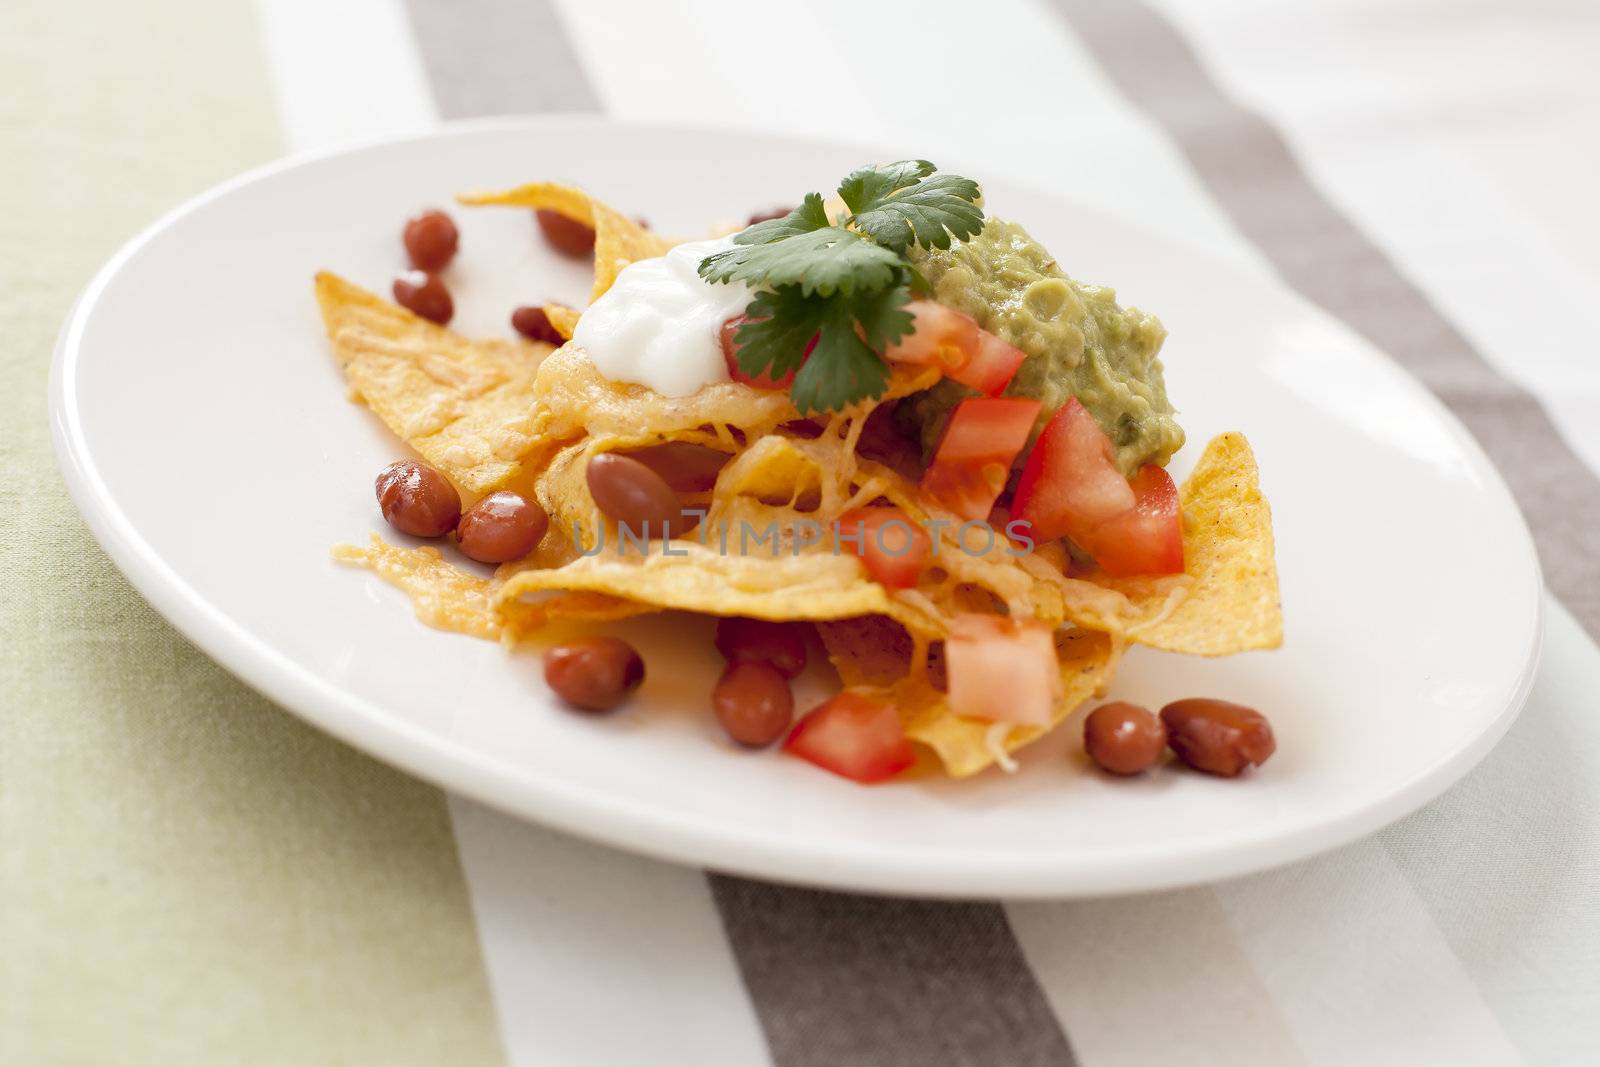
column 1079, row 343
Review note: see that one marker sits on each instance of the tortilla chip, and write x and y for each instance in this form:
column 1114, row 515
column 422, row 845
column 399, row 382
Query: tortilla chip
column 576, row 399
column 461, row 404
column 589, row 607
column 1231, row 601
column 618, row 240
column 449, row 598
column 562, row 318
column 812, row 585
column 444, row 596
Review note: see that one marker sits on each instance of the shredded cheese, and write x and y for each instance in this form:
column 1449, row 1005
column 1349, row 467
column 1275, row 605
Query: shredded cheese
column 994, row 739
column 1175, row 596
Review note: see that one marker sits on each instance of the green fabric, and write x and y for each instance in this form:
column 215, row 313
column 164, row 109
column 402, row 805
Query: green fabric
column 188, row 875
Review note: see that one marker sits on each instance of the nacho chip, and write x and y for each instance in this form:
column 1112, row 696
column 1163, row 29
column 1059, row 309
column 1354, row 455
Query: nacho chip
column 443, row 596
column 449, row 598
column 812, row 585
column 1230, row 603
column 575, row 399
column 562, row 318
column 618, row 240
column 461, row 404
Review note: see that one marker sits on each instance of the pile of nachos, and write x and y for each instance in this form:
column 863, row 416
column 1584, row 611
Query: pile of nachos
column 954, row 454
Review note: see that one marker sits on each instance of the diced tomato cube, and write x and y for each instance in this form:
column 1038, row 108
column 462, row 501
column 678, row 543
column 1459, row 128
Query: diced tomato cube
column 992, row 366
column 892, row 546
column 854, row 736
column 1001, row 669
column 1070, row 483
column 973, row 461
column 945, row 338
column 1070, row 487
column 1148, row 539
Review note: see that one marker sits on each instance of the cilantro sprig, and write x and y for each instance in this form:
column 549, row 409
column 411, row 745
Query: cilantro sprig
column 845, row 282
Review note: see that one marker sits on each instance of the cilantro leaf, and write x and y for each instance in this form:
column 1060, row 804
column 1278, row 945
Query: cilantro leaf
column 810, row 215
column 883, row 317
column 844, row 366
column 822, row 261
column 905, row 203
column 840, row 289
column 867, row 185
column 781, row 324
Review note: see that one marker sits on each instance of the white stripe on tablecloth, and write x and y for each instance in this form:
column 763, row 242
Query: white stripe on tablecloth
column 1356, row 965
column 593, row 956
column 1508, row 862
column 1402, row 122
column 343, row 70
column 597, row 956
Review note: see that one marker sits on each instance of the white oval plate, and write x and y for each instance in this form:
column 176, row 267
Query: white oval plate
column 205, row 434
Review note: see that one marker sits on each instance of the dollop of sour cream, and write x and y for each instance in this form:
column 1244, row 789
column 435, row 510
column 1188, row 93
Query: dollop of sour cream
column 660, row 324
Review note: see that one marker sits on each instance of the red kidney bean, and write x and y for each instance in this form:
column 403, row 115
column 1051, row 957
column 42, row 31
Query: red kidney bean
column 501, row 527
column 534, row 324
column 423, row 293
column 781, row 644
column 753, row 703
column 431, row 240
column 633, row 495
column 1123, row 738
column 685, row 467
column 1216, row 736
column 768, row 216
column 593, row 673
column 567, row 236
column 417, row 500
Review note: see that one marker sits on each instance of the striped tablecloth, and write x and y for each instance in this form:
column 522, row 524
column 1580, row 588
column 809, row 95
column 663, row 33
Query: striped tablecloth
column 190, row 876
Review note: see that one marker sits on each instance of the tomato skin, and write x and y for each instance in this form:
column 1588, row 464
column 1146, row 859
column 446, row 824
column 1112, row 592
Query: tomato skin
column 1070, row 483
column 855, row 736
column 894, row 554
column 994, row 363
column 945, row 338
column 730, row 355
column 1148, row 539
column 1002, row 669
column 973, row 461
column 1070, row 487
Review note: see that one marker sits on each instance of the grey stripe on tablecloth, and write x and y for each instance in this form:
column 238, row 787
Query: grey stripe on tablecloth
column 844, row 979
column 834, row 978
column 1249, row 169
column 499, row 57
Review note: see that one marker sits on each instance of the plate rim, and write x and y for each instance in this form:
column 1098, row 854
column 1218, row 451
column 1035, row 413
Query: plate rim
column 590, row 813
